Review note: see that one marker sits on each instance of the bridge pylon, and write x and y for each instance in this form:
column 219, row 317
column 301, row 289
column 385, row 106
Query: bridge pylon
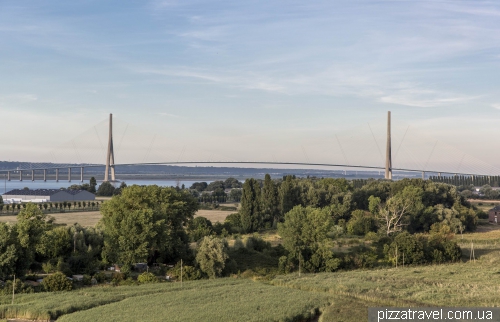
column 388, row 157
column 110, row 157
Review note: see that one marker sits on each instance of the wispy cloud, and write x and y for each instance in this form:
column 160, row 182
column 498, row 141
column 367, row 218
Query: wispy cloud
column 168, row 114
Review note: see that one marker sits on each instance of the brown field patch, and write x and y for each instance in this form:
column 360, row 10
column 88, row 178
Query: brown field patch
column 214, row 215
column 84, row 218
column 90, row 218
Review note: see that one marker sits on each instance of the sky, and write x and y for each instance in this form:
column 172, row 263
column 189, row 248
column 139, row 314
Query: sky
column 254, row 80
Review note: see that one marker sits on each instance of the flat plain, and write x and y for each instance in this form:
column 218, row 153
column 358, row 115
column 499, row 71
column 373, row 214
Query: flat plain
column 90, row 218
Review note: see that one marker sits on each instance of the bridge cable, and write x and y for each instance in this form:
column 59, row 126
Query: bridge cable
column 374, row 139
column 149, row 150
column 429, row 158
column 342, row 150
column 305, row 154
column 400, row 143
column 123, row 135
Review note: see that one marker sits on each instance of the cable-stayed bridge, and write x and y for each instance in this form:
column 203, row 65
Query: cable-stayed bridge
column 373, row 147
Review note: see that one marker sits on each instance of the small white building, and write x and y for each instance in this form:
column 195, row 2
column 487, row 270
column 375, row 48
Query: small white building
column 46, row 195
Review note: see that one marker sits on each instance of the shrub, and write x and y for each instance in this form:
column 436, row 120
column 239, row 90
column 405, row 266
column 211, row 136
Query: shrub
column 212, row 256
column 147, row 277
column 482, row 215
column 361, row 223
column 199, row 228
column 256, row 243
column 57, row 282
column 189, row 273
column 101, row 277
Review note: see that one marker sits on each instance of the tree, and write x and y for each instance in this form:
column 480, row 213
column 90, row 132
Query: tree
column 270, row 202
column 392, row 214
column 8, row 250
column 235, row 194
column 106, row 189
column 231, row 183
column 361, row 223
column 199, row 186
column 199, row 227
column 55, row 242
column 304, row 232
column 93, row 184
column 212, row 256
column 250, row 212
column 287, row 195
column 31, row 225
column 215, row 185
column 146, row 223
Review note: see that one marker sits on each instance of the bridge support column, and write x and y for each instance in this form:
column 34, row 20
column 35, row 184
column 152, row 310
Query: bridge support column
column 423, row 175
column 69, row 174
column 32, row 175
column 8, row 175
column 81, row 174
column 439, row 175
column 20, row 175
column 57, row 175
column 110, row 157
column 388, row 157
column 44, row 174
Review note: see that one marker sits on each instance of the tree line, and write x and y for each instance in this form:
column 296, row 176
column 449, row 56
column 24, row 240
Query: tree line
column 461, row 180
column 412, row 218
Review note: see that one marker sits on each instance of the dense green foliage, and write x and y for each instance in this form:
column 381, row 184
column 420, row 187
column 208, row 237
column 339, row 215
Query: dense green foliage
column 146, row 224
column 106, row 189
column 250, row 213
column 212, row 256
column 57, row 282
column 147, row 277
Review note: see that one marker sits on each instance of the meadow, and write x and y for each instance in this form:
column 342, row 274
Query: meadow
column 227, row 299
column 339, row 296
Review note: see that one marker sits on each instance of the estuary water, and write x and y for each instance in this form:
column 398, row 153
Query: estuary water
column 52, row 184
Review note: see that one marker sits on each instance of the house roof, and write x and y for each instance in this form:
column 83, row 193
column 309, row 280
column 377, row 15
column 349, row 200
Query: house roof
column 496, row 208
column 40, row 192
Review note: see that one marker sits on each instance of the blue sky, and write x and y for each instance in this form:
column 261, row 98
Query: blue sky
column 247, row 77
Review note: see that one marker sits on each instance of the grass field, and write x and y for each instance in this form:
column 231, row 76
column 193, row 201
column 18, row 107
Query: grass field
column 341, row 296
column 227, row 299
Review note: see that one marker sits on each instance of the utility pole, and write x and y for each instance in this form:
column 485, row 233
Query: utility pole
column 388, row 157
column 110, row 157
column 13, row 289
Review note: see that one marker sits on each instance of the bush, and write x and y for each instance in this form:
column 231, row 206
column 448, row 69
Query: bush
column 257, row 243
column 189, row 273
column 482, row 215
column 212, row 256
column 20, row 287
column 101, row 277
column 147, row 277
column 199, row 228
column 361, row 223
column 57, row 282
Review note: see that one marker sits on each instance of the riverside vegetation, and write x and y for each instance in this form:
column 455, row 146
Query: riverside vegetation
column 326, row 228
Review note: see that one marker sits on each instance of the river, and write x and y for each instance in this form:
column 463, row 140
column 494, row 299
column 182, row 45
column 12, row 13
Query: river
column 52, row 184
